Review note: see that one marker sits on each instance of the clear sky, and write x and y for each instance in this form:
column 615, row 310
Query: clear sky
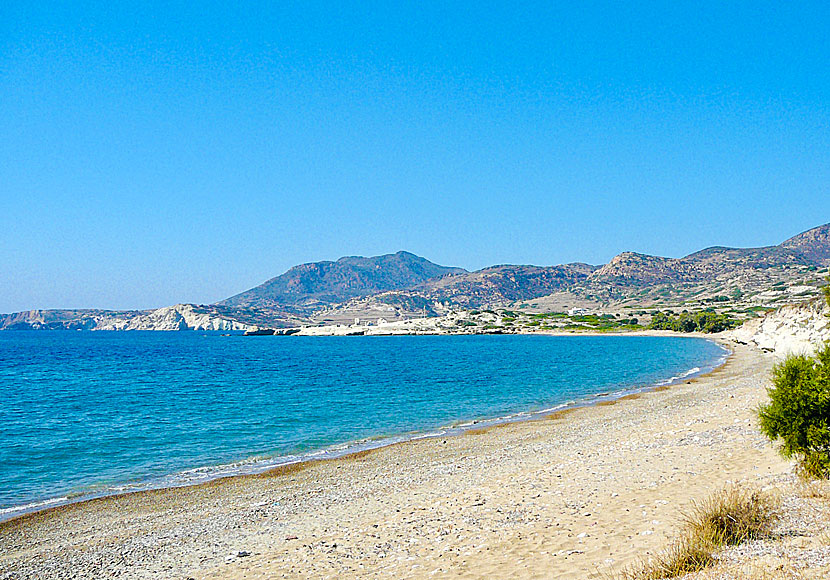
column 155, row 153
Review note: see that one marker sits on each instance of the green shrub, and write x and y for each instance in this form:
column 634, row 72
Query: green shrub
column 799, row 411
column 704, row 321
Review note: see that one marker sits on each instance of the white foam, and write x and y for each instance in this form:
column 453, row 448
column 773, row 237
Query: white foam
column 37, row 505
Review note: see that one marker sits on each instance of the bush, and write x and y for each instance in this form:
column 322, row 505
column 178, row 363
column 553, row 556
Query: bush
column 799, row 411
column 704, row 321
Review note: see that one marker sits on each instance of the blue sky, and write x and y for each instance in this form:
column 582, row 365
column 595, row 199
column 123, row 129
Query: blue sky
column 155, row 153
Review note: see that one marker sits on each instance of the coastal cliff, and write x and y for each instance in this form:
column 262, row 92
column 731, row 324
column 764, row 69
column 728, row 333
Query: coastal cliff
column 793, row 329
column 178, row 317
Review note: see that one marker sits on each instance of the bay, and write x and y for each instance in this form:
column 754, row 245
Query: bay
column 91, row 413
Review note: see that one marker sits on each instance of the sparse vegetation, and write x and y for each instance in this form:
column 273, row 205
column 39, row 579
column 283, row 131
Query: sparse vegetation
column 719, row 298
column 551, row 315
column 727, row 518
column 682, row 557
column 704, row 321
column 799, row 411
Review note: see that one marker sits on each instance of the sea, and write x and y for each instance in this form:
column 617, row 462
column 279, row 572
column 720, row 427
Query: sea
column 87, row 414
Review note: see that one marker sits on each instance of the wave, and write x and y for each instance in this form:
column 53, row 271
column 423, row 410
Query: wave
column 33, row 506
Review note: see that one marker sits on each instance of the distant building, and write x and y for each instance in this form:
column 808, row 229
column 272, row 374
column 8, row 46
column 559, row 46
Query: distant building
column 577, row 312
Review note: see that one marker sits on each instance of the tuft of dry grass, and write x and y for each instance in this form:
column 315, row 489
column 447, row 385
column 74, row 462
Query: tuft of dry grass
column 682, row 557
column 728, row 517
column 731, row 516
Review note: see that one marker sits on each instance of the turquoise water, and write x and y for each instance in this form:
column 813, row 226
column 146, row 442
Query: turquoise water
column 85, row 414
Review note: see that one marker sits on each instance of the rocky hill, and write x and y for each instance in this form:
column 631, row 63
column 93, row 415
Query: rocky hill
column 812, row 245
column 308, row 287
column 714, row 273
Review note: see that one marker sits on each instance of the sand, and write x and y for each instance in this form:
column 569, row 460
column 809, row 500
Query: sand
column 578, row 495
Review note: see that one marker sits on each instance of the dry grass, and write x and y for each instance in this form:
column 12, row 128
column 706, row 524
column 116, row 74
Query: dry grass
column 815, row 489
column 682, row 557
column 731, row 517
column 726, row 518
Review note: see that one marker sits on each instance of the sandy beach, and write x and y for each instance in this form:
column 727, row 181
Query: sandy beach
column 578, row 495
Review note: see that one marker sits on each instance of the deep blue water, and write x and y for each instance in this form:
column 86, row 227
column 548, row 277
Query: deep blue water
column 86, row 413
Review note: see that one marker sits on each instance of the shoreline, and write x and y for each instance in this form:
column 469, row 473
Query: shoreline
column 553, row 497
column 350, row 448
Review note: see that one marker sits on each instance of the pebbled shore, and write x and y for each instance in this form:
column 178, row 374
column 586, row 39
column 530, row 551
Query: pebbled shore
column 577, row 495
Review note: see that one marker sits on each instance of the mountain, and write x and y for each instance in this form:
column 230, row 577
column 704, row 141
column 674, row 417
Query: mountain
column 404, row 285
column 308, row 286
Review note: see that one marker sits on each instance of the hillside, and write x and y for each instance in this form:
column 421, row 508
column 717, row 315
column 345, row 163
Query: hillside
column 504, row 284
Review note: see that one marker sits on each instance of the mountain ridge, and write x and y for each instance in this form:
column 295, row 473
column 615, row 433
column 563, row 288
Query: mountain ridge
column 403, row 284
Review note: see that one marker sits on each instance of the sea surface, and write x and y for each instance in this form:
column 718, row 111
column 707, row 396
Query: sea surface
column 84, row 414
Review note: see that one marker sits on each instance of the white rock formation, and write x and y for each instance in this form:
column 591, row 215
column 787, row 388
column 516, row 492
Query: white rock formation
column 795, row 329
column 178, row 317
